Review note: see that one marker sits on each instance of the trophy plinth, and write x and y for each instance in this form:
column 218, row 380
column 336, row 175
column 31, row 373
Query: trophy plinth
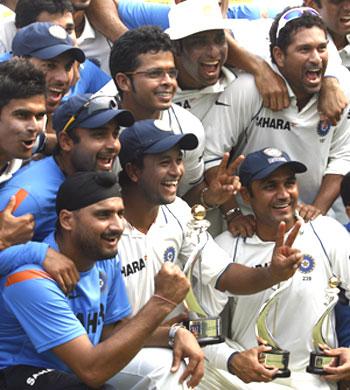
column 207, row 329
column 318, row 359
column 277, row 357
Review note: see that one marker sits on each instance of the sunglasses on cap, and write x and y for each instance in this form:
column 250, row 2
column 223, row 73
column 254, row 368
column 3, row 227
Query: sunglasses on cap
column 294, row 13
column 93, row 105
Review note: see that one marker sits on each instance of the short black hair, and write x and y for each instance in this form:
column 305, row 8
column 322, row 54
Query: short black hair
column 27, row 11
column 345, row 189
column 307, row 20
column 131, row 44
column 19, row 79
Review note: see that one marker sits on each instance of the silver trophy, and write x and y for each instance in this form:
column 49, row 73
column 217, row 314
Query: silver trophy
column 277, row 357
column 207, row 329
column 317, row 358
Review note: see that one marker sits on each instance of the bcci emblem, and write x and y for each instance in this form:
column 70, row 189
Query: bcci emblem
column 323, row 128
column 169, row 254
column 102, row 280
column 307, row 265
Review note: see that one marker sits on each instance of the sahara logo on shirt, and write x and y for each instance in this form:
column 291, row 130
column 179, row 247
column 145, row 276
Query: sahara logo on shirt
column 133, row 267
column 274, row 123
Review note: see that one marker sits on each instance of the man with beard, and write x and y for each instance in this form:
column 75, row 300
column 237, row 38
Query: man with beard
column 269, row 185
column 143, row 69
column 157, row 232
column 87, row 131
column 53, row 341
column 299, row 50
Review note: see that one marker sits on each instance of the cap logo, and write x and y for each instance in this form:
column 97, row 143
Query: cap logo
column 272, row 152
column 161, row 125
column 276, row 159
column 58, row 32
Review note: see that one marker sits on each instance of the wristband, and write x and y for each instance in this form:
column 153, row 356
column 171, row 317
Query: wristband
column 229, row 360
column 165, row 299
column 172, row 333
column 232, row 213
column 203, row 202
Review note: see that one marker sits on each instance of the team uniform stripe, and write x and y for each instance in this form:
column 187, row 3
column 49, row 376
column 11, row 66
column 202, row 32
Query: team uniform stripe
column 20, row 196
column 26, row 275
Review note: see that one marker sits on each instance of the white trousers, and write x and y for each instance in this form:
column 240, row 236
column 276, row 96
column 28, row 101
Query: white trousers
column 149, row 370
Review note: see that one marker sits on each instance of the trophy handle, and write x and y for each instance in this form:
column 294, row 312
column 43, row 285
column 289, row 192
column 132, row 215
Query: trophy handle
column 317, row 336
column 261, row 328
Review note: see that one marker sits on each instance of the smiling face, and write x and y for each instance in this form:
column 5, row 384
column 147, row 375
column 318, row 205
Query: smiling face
column 273, row 200
column 200, row 57
column 149, row 90
column 21, row 120
column 336, row 15
column 94, row 149
column 159, row 177
column 96, row 229
column 58, row 73
column 304, row 62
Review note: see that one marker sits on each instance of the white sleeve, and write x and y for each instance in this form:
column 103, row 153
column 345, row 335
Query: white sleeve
column 218, row 354
column 339, row 155
column 229, row 117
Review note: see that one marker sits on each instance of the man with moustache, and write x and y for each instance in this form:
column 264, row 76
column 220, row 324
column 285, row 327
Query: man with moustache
column 299, row 50
column 79, row 341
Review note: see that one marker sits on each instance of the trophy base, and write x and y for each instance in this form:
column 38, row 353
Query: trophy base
column 317, row 361
column 206, row 330
column 279, row 359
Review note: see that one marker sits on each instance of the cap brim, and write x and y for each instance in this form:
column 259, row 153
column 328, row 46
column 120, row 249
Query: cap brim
column 196, row 27
column 124, row 118
column 296, row 166
column 185, row 142
column 56, row 50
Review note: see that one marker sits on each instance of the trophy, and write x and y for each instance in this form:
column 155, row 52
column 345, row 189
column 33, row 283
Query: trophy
column 317, row 358
column 277, row 357
column 206, row 329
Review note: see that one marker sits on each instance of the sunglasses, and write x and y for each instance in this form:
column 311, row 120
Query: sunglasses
column 93, row 105
column 292, row 14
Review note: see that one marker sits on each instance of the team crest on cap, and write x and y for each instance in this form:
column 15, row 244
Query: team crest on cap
column 272, row 152
column 169, row 254
column 58, row 32
column 307, row 265
column 323, row 127
column 161, row 125
column 102, row 280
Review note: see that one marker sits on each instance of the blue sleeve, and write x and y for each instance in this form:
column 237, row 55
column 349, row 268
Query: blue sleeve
column 118, row 306
column 41, row 308
column 251, row 12
column 97, row 77
column 135, row 14
column 29, row 253
column 342, row 320
column 28, row 205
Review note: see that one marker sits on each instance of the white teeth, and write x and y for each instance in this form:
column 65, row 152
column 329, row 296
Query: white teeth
column 171, row 183
column 211, row 63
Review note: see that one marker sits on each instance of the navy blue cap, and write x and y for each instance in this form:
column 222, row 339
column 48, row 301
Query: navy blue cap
column 260, row 164
column 89, row 112
column 151, row 137
column 44, row 40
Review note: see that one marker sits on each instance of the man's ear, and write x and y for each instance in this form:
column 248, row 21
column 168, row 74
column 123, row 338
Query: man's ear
column 65, row 141
column 123, row 82
column 278, row 56
column 133, row 172
column 245, row 195
column 66, row 219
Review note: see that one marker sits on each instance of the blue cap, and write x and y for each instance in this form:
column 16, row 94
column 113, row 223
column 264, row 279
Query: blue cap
column 89, row 112
column 44, row 40
column 260, row 164
column 151, row 137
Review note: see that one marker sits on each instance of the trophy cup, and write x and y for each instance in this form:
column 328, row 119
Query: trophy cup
column 277, row 357
column 317, row 358
column 206, row 329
